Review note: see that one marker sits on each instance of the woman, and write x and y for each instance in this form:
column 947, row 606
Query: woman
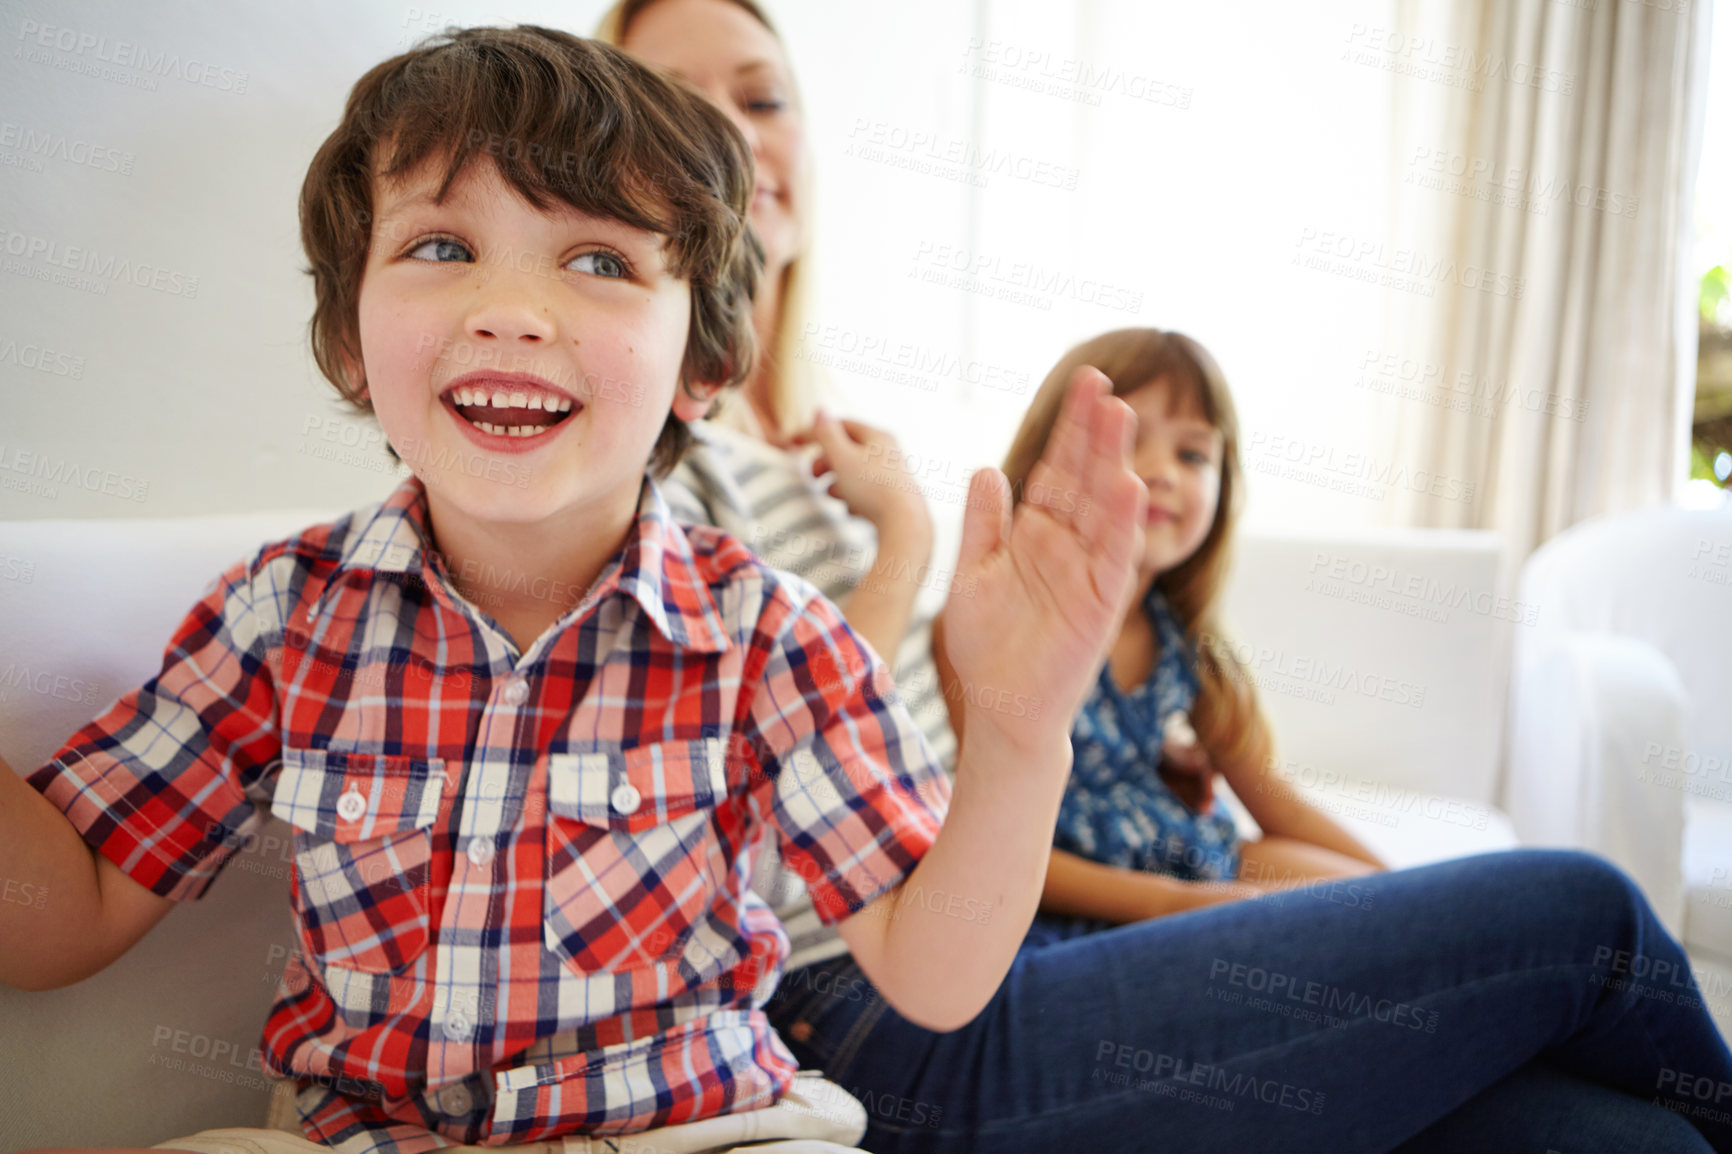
column 1488, row 1003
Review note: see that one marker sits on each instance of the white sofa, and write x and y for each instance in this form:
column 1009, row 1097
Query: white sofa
column 1388, row 708
column 1379, row 658
column 1621, row 733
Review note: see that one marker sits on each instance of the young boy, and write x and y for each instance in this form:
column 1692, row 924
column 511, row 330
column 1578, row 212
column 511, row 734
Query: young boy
column 526, row 807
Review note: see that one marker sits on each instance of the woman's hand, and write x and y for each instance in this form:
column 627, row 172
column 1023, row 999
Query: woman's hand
column 1047, row 587
column 863, row 462
column 865, row 477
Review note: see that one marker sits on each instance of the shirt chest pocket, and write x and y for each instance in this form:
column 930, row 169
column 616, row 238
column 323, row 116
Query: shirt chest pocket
column 633, row 857
column 363, row 847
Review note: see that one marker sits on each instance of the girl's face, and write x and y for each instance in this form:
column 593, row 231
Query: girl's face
column 720, row 49
column 1178, row 456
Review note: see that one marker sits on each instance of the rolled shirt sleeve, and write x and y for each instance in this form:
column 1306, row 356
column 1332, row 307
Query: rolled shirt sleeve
column 166, row 783
column 851, row 786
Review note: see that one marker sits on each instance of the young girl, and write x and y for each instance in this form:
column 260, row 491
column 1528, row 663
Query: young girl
column 1139, row 824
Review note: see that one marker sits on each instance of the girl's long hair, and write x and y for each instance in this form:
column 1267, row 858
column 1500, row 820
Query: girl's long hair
column 796, row 387
column 1225, row 715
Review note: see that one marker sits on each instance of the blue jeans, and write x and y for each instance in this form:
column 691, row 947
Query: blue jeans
column 1517, row 1001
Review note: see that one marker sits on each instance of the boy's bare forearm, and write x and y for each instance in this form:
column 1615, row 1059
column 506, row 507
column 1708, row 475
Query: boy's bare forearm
column 51, row 912
column 938, row 946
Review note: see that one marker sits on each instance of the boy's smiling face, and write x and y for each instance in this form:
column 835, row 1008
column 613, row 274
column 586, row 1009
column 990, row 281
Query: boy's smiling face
column 501, row 342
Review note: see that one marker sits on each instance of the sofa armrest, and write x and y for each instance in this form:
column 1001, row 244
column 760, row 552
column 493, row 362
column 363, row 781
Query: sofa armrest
column 1587, row 712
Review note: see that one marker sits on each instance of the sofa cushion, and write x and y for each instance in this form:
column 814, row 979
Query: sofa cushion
column 1403, row 827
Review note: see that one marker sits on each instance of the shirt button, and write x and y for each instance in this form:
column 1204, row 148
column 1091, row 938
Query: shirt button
column 351, row 805
column 516, row 691
column 455, row 1100
column 480, row 852
column 457, row 1028
column 626, row 798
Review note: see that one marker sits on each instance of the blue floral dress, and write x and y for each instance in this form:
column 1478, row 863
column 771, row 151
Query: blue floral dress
column 1116, row 808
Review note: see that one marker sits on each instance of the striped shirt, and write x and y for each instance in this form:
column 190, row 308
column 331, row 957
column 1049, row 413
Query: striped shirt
column 521, row 881
column 767, row 498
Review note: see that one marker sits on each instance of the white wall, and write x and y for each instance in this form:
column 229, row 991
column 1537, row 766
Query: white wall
column 1198, row 142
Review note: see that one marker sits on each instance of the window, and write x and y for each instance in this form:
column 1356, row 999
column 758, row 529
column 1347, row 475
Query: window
column 1711, row 427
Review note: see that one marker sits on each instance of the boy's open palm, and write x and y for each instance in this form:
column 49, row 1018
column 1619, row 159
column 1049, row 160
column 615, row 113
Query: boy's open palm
column 1049, row 584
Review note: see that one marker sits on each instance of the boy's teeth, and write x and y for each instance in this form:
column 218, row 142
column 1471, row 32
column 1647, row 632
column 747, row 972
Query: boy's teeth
column 510, row 430
column 476, row 403
column 500, row 399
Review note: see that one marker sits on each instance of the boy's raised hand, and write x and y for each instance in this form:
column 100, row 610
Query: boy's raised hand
column 1051, row 583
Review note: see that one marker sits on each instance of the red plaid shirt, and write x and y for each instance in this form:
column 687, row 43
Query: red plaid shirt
column 521, row 881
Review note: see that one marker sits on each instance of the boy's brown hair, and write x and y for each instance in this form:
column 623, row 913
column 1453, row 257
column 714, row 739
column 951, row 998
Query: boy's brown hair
column 564, row 120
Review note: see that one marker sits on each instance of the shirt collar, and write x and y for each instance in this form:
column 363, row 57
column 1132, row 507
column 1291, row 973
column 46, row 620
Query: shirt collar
column 659, row 570
column 655, row 568
column 393, row 537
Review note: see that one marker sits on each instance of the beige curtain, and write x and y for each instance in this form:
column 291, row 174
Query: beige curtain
column 1547, row 154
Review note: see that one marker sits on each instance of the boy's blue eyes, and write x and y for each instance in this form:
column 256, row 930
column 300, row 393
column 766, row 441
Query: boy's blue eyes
column 443, row 250
column 601, row 264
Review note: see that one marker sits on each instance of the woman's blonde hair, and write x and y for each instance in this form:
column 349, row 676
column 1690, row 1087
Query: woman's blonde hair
column 1225, row 715
column 795, row 385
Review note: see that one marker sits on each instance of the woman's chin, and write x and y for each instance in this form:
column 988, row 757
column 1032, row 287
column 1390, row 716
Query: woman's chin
column 778, row 233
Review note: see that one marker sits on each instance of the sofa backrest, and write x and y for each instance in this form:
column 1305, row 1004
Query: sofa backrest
column 1379, row 656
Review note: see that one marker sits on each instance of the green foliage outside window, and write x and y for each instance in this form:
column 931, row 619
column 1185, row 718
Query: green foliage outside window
column 1711, row 429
